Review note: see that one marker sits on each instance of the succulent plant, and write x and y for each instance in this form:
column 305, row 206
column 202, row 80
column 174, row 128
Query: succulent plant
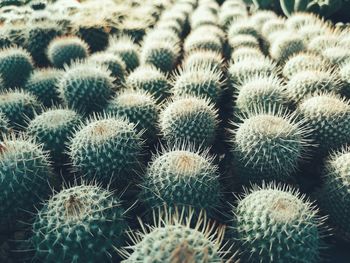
column 320, row 43
column 244, row 27
column 4, row 126
column 202, row 42
column 285, row 46
column 242, row 53
column 203, row 58
column 324, row 8
column 243, row 40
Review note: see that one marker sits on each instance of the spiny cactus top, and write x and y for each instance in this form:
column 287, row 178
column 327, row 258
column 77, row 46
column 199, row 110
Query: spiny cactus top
column 243, row 40
column 15, row 66
column 202, row 42
column 242, row 53
column 336, row 55
column 107, row 149
column 260, row 17
column 300, row 19
column 320, row 43
column 244, row 27
column 285, row 46
column 79, row 224
column 277, row 224
column 182, row 177
column 272, row 26
column 4, row 125
column 189, row 119
column 204, row 58
column 86, row 87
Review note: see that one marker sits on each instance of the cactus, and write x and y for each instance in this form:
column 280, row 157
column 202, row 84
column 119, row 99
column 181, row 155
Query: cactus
column 127, row 50
column 15, row 66
column 18, row 106
column 79, row 224
column 242, row 53
column 300, row 19
column 107, row 149
column 281, row 145
column 203, row 58
column 86, row 87
column 64, row 50
column 150, row 79
column 271, row 222
column 176, row 238
column 42, row 83
column 138, row 107
column 336, row 55
column 329, row 118
column 259, row 18
column 323, row 8
column 242, row 40
column 285, row 46
column 344, row 73
column 4, row 126
column 244, row 27
column 25, row 178
column 189, row 119
column 309, row 82
column 179, row 177
column 272, row 26
column 197, row 81
column 52, row 129
column 320, row 43
column 334, row 195
column 202, row 42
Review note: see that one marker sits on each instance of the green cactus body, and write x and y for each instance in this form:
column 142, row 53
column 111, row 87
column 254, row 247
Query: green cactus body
column 242, row 53
column 43, row 84
column 270, row 223
column 199, row 82
column 285, row 46
column 162, row 54
column 191, row 120
column 4, row 126
column 86, row 87
column 344, row 73
column 79, row 224
column 18, row 106
column 229, row 16
column 52, row 129
column 93, row 33
column 203, row 58
column 107, row 149
column 15, row 67
column 114, row 64
column 180, row 177
column 272, row 26
column 329, row 118
column 334, row 195
column 242, row 40
column 212, row 30
column 64, row 50
column 139, row 108
column 309, row 82
column 127, row 50
column 244, row 27
column 320, row 43
column 264, row 92
column 202, row 42
column 260, row 17
column 25, row 178
column 150, row 79
column 162, row 35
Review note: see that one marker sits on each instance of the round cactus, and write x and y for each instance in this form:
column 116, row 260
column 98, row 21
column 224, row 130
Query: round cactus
column 52, row 129
column 107, row 149
column 64, row 50
column 150, row 79
column 272, row 26
column 336, row 55
column 265, row 92
column 344, row 73
column 320, row 43
column 260, row 17
column 43, row 84
column 192, row 120
column 15, row 67
column 79, row 224
column 203, row 58
column 4, row 126
column 282, row 142
column 138, row 107
column 127, row 50
column 25, row 177
column 86, row 87
column 197, row 81
column 161, row 54
column 285, row 46
column 175, row 238
column 329, row 118
column 244, row 27
column 271, row 222
column 334, row 195
column 182, row 177
column 242, row 53
column 202, row 42
column 18, row 106
column 299, row 19
column 243, row 40
column 309, row 82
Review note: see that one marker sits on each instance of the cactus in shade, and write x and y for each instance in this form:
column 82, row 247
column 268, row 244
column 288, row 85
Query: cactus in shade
column 268, row 145
column 212, row 30
column 285, row 46
column 336, row 55
column 107, row 149
column 344, row 73
column 4, row 126
column 86, row 87
column 323, row 8
column 244, row 69
column 113, row 63
column 39, row 37
column 138, row 107
column 309, row 82
column 174, row 237
column 18, row 106
column 272, row 26
column 202, row 42
column 320, row 43
column 42, row 83
column 162, row 35
column 79, row 224
column 191, row 120
column 304, row 62
column 334, row 195
column 309, row 32
column 25, row 177
column 203, row 58
column 161, row 54
column 64, row 50
column 265, row 92
column 197, row 81
column 229, row 16
column 52, row 129
column 150, row 79
column 15, row 66
column 328, row 116
column 242, row 53
column 242, row 40
column 179, row 177
column 260, row 17
column 270, row 223
column 244, row 27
